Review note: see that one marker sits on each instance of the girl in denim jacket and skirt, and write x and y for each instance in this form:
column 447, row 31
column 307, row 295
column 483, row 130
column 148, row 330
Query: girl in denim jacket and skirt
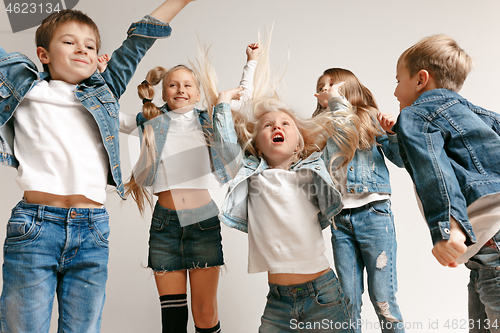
column 283, row 196
column 363, row 234
column 184, row 154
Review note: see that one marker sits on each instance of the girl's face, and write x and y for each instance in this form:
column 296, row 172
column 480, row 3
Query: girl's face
column 180, row 89
column 278, row 138
column 324, row 83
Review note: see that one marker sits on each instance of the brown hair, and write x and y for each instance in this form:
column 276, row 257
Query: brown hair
column 362, row 100
column 46, row 30
column 440, row 55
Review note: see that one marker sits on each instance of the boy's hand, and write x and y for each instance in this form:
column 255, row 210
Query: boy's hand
column 102, row 62
column 228, row 95
column 327, row 94
column 386, row 120
column 447, row 251
column 253, row 51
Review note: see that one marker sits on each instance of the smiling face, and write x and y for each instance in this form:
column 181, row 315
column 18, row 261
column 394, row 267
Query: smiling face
column 180, row 89
column 72, row 53
column 278, row 139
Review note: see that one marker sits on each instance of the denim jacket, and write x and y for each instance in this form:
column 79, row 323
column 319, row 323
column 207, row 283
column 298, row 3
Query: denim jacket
column 451, row 149
column 367, row 171
column 235, row 207
column 99, row 93
column 221, row 138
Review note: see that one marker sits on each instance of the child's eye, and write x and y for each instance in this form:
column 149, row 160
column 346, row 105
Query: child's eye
column 286, row 123
column 90, row 47
column 69, row 43
column 267, row 125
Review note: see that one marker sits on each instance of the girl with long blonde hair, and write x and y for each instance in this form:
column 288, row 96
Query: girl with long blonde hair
column 185, row 153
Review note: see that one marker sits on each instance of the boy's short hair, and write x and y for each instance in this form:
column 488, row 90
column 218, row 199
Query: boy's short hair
column 440, row 55
column 46, row 30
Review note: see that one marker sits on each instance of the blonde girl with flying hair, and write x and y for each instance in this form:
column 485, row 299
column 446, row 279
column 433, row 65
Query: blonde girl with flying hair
column 283, row 196
column 186, row 152
column 363, row 234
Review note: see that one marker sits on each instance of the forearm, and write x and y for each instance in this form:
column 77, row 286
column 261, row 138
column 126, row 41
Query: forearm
column 169, row 9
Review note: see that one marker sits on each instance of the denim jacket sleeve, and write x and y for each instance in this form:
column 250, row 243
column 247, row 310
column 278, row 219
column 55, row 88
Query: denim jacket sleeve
column 225, row 138
column 123, row 63
column 422, row 150
column 390, row 147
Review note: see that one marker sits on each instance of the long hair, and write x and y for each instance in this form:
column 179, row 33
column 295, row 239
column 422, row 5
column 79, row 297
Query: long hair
column 314, row 133
column 362, row 100
column 147, row 157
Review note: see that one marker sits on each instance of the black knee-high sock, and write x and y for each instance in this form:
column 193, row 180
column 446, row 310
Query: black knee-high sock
column 174, row 313
column 215, row 329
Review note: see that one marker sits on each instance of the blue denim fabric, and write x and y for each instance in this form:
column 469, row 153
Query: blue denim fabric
column 173, row 247
column 49, row 251
column 484, row 289
column 99, row 93
column 451, row 149
column 315, row 306
column 235, row 207
column 365, row 238
column 367, row 172
column 219, row 131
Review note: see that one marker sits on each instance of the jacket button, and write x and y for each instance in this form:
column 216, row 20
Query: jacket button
column 7, row 108
column 351, row 168
column 446, row 231
column 318, row 167
column 352, row 190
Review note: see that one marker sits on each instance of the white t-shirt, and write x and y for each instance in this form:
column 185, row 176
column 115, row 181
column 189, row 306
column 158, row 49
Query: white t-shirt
column 284, row 234
column 185, row 159
column 58, row 144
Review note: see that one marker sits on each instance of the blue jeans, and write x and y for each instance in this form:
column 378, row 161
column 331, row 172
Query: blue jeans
column 365, row 238
column 49, row 251
column 484, row 288
column 315, row 306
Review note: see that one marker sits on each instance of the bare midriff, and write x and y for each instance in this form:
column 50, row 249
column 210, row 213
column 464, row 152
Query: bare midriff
column 62, row 201
column 184, row 198
column 286, row 279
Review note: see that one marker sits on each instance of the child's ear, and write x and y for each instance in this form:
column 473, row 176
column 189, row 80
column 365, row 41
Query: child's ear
column 423, row 79
column 43, row 55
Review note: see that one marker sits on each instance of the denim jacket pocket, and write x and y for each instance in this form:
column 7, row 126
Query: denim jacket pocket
column 109, row 102
column 4, row 91
column 22, row 228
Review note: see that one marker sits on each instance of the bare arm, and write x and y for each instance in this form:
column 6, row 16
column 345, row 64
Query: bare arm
column 169, row 9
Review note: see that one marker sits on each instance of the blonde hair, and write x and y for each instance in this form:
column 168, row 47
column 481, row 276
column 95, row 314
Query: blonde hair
column 362, row 100
column 440, row 55
column 341, row 127
column 147, row 156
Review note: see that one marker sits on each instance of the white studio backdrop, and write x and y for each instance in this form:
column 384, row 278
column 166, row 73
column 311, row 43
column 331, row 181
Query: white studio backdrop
column 364, row 36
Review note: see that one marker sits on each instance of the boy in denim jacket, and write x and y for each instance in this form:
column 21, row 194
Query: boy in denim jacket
column 451, row 149
column 59, row 128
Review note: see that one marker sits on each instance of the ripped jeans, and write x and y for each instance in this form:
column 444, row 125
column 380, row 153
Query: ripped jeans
column 365, row 237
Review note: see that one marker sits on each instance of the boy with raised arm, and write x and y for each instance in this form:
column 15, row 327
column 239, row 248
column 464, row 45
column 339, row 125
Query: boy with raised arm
column 59, row 128
column 451, row 149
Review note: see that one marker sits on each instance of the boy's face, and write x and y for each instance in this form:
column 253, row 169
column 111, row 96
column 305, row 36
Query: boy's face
column 406, row 91
column 180, row 89
column 73, row 53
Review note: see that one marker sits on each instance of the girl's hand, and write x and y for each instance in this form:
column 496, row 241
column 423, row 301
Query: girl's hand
column 253, row 51
column 228, row 95
column 328, row 93
column 387, row 120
